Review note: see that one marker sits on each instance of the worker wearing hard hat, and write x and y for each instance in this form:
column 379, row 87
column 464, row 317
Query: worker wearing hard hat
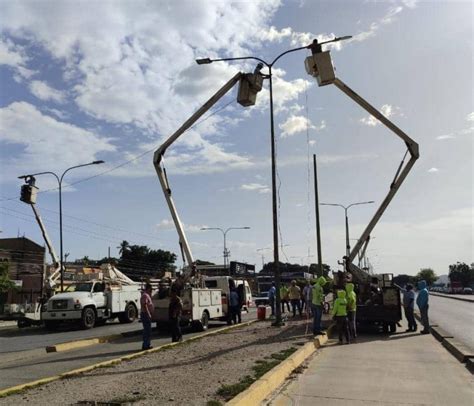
column 340, row 315
column 351, row 310
column 317, row 304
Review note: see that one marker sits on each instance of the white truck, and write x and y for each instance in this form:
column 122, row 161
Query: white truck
column 93, row 302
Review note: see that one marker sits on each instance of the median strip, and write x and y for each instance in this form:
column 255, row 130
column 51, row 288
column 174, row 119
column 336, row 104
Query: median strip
column 72, row 345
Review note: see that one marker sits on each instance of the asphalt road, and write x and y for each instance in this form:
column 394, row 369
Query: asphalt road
column 455, row 316
column 22, row 366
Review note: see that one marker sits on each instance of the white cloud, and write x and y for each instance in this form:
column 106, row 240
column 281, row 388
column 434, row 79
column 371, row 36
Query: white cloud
column 387, row 110
column 433, row 170
column 47, row 144
column 168, row 224
column 45, row 92
column 470, row 116
column 11, row 54
column 445, row 137
column 295, row 124
column 257, row 187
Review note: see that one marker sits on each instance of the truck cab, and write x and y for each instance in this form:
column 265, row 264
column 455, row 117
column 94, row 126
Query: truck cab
column 91, row 303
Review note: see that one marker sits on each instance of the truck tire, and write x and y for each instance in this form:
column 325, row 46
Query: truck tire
column 129, row 315
column 203, row 324
column 88, row 318
column 392, row 327
column 385, row 327
column 22, row 323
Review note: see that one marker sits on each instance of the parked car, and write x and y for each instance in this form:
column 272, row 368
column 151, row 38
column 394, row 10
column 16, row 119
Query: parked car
column 467, row 291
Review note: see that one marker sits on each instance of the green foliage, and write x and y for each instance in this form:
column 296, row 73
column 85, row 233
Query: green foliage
column 230, row 391
column 402, row 279
column 147, row 261
column 201, row 262
column 461, row 272
column 6, row 284
column 428, row 275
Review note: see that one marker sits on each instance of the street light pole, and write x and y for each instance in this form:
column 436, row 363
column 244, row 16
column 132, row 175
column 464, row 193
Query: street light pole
column 60, row 181
column 346, row 208
column 276, row 258
column 224, row 233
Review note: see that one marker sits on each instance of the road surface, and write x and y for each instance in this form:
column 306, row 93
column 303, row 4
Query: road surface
column 455, row 316
column 22, row 366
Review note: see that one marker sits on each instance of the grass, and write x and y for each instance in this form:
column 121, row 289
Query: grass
column 261, row 367
column 213, row 403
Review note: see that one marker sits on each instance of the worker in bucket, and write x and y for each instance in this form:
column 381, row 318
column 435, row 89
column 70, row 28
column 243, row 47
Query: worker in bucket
column 339, row 313
column 351, row 310
column 147, row 309
column 318, row 304
column 422, row 303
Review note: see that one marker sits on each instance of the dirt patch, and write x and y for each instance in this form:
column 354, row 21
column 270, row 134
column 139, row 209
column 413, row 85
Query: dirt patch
column 191, row 373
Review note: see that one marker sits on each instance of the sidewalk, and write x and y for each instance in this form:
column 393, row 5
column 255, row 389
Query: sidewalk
column 400, row 369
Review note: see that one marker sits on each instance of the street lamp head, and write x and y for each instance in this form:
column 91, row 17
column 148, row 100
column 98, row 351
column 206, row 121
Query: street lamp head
column 203, row 61
column 97, row 162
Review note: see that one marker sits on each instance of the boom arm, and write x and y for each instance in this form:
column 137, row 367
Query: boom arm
column 161, row 172
column 401, row 173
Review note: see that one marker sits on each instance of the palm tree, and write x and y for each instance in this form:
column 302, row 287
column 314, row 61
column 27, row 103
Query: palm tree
column 123, row 247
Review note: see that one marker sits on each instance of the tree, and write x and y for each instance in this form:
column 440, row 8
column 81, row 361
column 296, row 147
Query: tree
column 143, row 261
column 428, row 275
column 314, row 269
column 123, row 247
column 6, row 284
column 402, row 279
column 461, row 272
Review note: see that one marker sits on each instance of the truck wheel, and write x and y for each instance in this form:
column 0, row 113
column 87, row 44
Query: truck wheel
column 392, row 327
column 203, row 324
column 129, row 315
column 22, row 323
column 385, row 327
column 88, row 318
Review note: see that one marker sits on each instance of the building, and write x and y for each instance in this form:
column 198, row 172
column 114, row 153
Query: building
column 26, row 267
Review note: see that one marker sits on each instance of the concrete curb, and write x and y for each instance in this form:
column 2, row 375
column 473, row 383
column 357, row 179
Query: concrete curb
column 268, row 383
column 462, row 299
column 29, row 385
column 440, row 334
column 71, row 345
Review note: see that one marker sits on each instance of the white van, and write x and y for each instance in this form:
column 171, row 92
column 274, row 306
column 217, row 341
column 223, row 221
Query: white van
column 223, row 283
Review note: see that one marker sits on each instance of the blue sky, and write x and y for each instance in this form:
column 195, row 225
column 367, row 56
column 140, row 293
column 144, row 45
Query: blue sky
column 91, row 80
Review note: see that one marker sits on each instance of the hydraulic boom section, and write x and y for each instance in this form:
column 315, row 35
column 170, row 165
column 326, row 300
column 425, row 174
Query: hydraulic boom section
column 249, row 85
column 319, row 65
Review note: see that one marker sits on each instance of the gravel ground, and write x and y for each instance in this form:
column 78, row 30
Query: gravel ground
column 189, row 374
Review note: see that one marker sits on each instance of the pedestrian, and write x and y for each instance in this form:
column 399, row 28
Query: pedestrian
column 318, row 304
column 307, row 297
column 146, row 313
column 409, row 306
column 340, row 314
column 271, row 297
column 234, row 303
column 294, row 294
column 351, row 310
column 174, row 312
column 284, row 298
column 422, row 302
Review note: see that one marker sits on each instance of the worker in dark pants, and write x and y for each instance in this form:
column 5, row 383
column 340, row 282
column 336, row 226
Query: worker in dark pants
column 146, row 305
column 351, row 298
column 422, row 302
column 175, row 310
column 340, row 315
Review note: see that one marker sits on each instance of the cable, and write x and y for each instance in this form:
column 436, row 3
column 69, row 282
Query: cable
column 125, row 162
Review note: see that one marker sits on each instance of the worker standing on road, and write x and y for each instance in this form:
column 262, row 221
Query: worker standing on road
column 340, row 315
column 351, row 310
column 147, row 309
column 175, row 309
column 422, row 302
column 318, row 304
column 409, row 306
column 234, row 303
column 271, row 297
column 284, row 298
column 295, row 297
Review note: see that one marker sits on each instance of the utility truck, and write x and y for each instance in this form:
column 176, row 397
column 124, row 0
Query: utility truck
column 27, row 314
column 107, row 295
column 378, row 298
column 200, row 303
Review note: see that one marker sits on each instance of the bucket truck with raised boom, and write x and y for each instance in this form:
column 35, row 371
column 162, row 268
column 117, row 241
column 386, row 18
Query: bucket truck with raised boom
column 378, row 298
column 200, row 304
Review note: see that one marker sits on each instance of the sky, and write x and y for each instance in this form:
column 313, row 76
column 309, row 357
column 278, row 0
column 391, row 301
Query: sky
column 111, row 80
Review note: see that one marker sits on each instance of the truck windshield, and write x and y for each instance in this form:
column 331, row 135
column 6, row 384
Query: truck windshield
column 80, row 287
